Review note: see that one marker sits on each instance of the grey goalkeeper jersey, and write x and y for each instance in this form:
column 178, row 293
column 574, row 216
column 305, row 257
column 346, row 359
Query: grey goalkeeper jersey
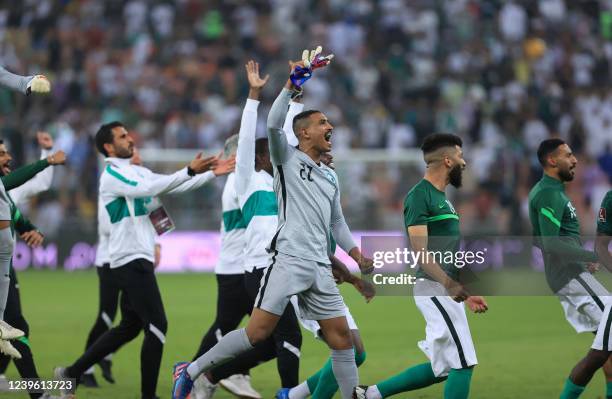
column 18, row 83
column 15, row 82
column 308, row 197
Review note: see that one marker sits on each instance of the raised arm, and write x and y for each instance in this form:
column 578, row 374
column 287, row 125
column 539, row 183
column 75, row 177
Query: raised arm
column 193, row 183
column 300, row 72
column 42, row 181
column 25, row 173
column 295, row 108
column 24, row 84
column 245, row 154
column 277, row 140
column 152, row 186
column 13, row 81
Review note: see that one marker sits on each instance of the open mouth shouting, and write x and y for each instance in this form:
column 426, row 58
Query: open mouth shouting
column 6, row 167
column 328, row 137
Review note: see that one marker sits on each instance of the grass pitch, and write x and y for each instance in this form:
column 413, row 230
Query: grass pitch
column 524, row 345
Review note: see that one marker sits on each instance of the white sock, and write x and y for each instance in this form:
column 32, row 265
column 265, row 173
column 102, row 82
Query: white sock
column 108, row 357
column 89, row 370
column 300, row 392
column 373, row 392
column 229, row 346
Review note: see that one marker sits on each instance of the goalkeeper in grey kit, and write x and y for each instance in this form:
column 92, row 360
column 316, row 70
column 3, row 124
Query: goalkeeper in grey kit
column 25, row 85
column 308, row 199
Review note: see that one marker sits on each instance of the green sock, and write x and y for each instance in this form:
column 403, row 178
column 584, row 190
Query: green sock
column 609, row 390
column 571, row 390
column 323, row 384
column 458, row 384
column 25, row 340
column 416, row 377
column 313, row 380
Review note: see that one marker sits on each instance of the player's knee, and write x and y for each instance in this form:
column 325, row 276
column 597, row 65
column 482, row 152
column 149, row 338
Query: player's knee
column 130, row 331
column 596, row 358
column 158, row 329
column 293, row 335
column 296, row 338
column 161, row 323
column 339, row 338
column 257, row 333
column 290, row 341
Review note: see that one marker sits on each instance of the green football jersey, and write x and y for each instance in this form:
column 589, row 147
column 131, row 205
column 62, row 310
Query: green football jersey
column 557, row 232
column 604, row 217
column 426, row 205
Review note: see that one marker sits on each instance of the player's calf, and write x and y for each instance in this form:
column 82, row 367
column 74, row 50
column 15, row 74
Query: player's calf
column 338, row 336
column 584, row 370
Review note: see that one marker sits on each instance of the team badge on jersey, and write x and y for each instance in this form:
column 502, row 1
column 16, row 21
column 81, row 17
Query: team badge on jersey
column 602, row 214
column 452, row 208
column 572, row 210
column 330, row 177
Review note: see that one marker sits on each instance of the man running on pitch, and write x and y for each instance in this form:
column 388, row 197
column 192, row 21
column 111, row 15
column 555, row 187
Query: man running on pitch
column 308, row 198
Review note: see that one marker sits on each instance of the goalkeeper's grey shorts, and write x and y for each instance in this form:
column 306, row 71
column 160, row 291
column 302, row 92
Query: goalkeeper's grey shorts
column 312, row 282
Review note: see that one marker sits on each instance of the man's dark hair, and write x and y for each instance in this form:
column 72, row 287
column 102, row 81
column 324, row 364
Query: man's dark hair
column 547, row 147
column 1, row 141
column 302, row 116
column 261, row 146
column 436, row 141
column 105, row 136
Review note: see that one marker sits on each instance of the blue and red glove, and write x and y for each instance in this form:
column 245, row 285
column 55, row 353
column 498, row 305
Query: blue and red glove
column 312, row 60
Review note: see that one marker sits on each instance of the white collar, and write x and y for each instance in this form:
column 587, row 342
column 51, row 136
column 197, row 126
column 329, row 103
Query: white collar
column 118, row 161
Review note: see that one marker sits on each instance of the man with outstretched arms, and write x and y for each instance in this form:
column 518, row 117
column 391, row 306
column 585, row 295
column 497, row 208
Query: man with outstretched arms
column 129, row 195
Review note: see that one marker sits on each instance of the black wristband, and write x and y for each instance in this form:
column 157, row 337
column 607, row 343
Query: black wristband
column 190, row 171
column 296, row 92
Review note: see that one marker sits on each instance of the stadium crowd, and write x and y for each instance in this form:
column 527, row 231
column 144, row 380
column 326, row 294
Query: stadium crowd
column 504, row 75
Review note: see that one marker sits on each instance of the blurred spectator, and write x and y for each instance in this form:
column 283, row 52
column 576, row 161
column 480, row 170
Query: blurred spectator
column 502, row 75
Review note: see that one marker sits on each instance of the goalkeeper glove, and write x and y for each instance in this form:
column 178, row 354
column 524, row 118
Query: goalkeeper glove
column 38, row 84
column 312, row 60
